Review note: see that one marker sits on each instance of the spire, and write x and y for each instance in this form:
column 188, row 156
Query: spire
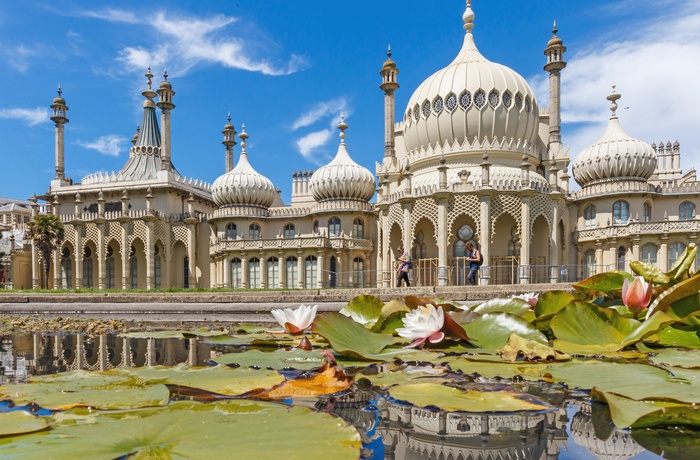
column 613, row 102
column 229, row 141
column 59, row 117
column 342, row 126
column 468, row 18
column 243, row 137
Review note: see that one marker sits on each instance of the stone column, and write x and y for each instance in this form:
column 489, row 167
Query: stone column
column 282, row 271
column 319, row 269
column 101, row 257
column 554, row 245
column 663, row 254
column 300, row 270
column 192, row 254
column 150, row 264
column 485, row 237
column 78, row 257
column 387, row 259
column 226, row 269
column 599, row 257
column 126, row 250
column 525, row 240
column 613, row 255
column 245, row 271
column 443, row 264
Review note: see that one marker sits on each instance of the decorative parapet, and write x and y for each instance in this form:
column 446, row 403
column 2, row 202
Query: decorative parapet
column 423, row 191
column 279, row 244
column 108, row 178
column 605, row 188
column 638, row 228
column 239, row 211
column 131, row 214
column 516, row 146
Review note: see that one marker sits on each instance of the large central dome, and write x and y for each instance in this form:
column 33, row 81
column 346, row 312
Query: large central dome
column 472, row 98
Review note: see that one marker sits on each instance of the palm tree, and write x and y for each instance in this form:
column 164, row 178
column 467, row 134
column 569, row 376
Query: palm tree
column 47, row 232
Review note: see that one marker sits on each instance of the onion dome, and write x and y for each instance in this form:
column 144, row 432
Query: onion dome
column 554, row 40
column 342, row 178
column 472, row 98
column 615, row 156
column 59, row 99
column 243, row 186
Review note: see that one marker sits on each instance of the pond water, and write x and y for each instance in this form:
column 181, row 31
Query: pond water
column 390, row 428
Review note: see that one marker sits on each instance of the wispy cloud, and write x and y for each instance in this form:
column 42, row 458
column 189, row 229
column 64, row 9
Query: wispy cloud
column 31, row 117
column 654, row 71
column 326, row 113
column 109, row 145
column 20, row 56
column 185, row 42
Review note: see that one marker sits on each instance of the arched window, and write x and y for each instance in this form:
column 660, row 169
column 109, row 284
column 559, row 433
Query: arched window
column 157, row 270
column 315, row 226
column 110, row 268
column 254, row 273
column 332, row 273
column 649, row 253
column 311, row 267
column 589, row 215
column 231, row 231
column 186, row 272
column 273, row 269
column 419, row 246
column 291, row 274
column 236, row 273
column 647, row 212
column 621, row 212
column 358, row 228
column 87, row 267
column 334, row 226
column 66, row 269
column 358, row 272
column 589, row 263
column 674, row 251
column 621, row 251
column 289, row 231
column 133, row 270
column 254, row 231
column 464, row 234
column 686, row 211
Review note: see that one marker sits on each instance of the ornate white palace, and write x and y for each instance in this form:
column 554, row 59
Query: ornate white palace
column 474, row 157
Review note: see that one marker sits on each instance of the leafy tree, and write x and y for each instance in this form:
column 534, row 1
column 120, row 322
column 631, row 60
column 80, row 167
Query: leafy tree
column 47, row 232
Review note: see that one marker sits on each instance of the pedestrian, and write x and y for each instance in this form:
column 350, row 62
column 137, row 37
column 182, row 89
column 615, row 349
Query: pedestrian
column 475, row 260
column 404, row 263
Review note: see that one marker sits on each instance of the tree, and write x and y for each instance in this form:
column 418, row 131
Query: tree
column 47, row 232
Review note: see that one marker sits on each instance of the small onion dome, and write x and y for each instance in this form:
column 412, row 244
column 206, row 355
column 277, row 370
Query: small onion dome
column 243, row 186
column 59, row 99
column 615, row 156
column 342, row 178
column 554, row 40
column 389, row 62
column 165, row 84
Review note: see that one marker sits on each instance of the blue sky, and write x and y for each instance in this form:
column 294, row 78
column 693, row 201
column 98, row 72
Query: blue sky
column 287, row 70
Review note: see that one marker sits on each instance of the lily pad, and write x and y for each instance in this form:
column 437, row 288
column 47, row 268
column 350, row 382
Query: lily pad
column 514, row 306
column 628, row 413
column 348, row 337
column 587, row 324
column 243, row 430
column 454, row 399
column 364, row 309
column 491, row 331
column 279, row 359
column 21, row 422
column 530, row 350
column 551, row 302
column 649, row 272
column 487, row 368
column 680, row 358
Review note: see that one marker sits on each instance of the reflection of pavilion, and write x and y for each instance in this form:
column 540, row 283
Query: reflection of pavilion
column 48, row 354
column 410, row 432
column 618, row 445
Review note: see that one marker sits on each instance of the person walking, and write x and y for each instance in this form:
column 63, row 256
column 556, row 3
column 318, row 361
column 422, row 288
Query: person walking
column 403, row 266
column 475, row 260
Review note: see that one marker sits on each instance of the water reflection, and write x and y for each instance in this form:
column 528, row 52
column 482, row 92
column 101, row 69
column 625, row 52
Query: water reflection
column 391, row 430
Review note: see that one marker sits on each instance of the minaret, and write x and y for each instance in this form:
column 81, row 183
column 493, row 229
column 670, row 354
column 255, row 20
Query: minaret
column 229, row 141
column 59, row 117
column 165, row 103
column 555, row 63
column 389, row 85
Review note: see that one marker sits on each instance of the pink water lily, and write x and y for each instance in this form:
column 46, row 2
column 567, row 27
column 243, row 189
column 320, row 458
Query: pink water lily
column 636, row 295
column 295, row 321
column 529, row 297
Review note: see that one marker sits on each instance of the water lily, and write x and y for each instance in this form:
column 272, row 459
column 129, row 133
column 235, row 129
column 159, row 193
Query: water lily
column 295, row 321
column 423, row 323
column 529, row 297
column 636, row 295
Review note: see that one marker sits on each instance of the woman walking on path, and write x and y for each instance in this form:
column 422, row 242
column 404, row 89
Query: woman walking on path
column 404, row 265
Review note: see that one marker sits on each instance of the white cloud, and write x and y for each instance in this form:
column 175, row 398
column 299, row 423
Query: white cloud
column 185, row 42
column 655, row 70
column 308, row 144
column 109, row 145
column 19, row 57
column 321, row 110
column 31, row 117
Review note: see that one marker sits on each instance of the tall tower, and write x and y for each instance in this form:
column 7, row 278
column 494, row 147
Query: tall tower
column 165, row 103
column 389, row 85
column 555, row 63
column 229, row 141
column 59, row 117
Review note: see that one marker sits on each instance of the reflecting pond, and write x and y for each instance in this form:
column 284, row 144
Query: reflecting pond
column 559, row 423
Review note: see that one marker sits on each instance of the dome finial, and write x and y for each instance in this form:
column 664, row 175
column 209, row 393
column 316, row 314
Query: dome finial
column 554, row 29
column 229, row 117
column 342, row 126
column 59, row 90
column 388, row 51
column 243, row 136
column 468, row 17
column 165, row 74
column 149, row 75
column 613, row 102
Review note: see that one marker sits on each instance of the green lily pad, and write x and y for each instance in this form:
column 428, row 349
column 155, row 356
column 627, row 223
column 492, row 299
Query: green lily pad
column 454, row 399
column 21, row 422
column 683, row 262
column 173, row 334
column 626, row 412
column 673, row 336
column 530, row 350
column 587, row 324
column 514, row 306
column 649, row 272
column 674, row 443
column 679, row 358
column 262, row 339
column 104, row 390
column 551, row 302
column 239, row 429
column 390, row 316
column 491, row 330
column 485, row 367
column 364, row 309
column 348, row 337
column 602, row 282
column 681, row 300
column 294, row 358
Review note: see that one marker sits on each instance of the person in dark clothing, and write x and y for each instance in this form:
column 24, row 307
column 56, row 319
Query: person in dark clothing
column 473, row 259
column 403, row 266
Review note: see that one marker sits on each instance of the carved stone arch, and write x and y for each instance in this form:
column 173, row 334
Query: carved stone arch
column 178, row 233
column 113, row 230
column 139, row 230
column 91, row 233
column 429, row 228
column 69, row 234
column 396, row 215
column 423, row 209
column 541, row 205
column 161, row 233
column 505, row 203
column 462, row 205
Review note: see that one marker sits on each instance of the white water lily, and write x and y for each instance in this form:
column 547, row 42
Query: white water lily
column 529, row 297
column 423, row 323
column 296, row 321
